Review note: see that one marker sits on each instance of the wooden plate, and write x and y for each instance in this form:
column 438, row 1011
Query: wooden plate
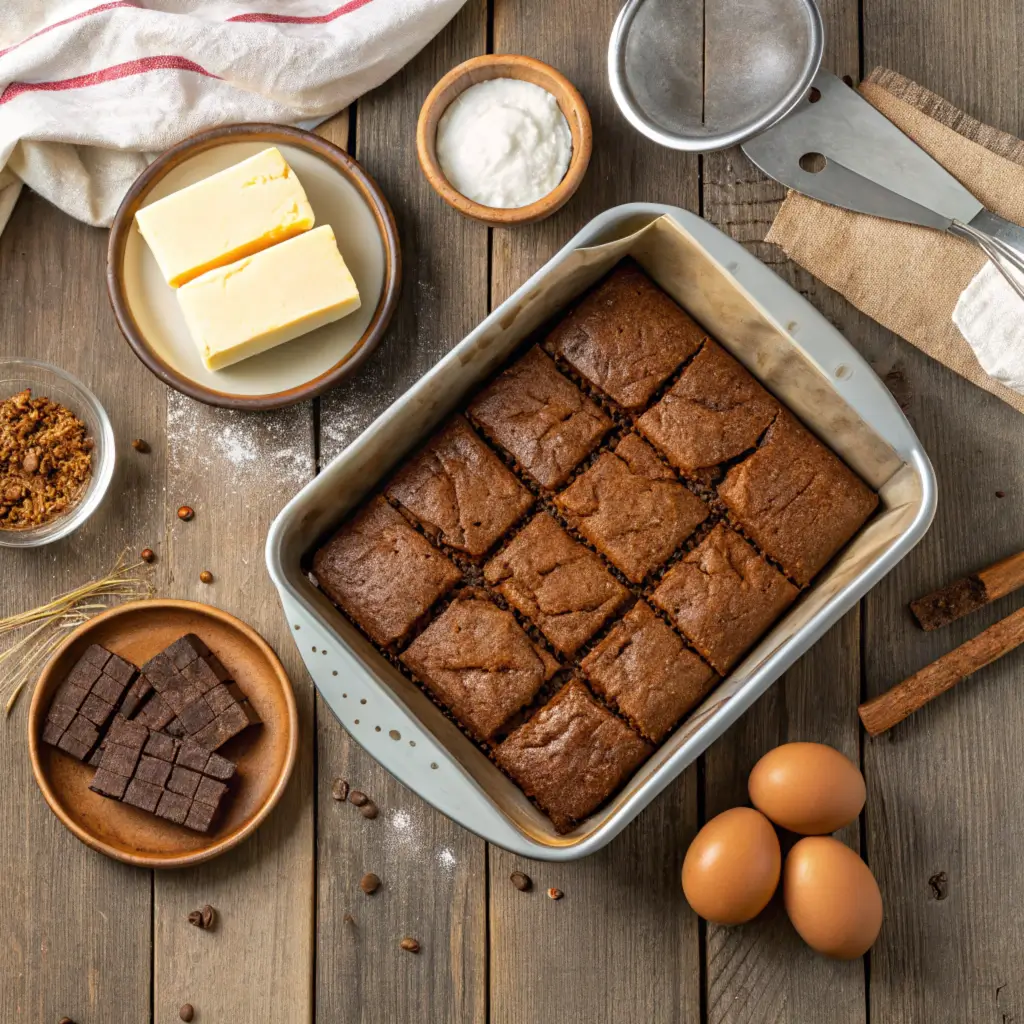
column 265, row 754
column 341, row 193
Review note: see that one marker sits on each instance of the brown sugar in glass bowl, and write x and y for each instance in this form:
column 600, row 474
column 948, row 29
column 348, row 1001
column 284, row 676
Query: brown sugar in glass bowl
column 526, row 69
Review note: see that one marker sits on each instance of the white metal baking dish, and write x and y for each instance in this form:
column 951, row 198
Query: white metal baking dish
column 787, row 344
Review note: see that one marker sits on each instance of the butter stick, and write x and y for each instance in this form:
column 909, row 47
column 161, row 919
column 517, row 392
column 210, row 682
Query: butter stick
column 234, row 213
column 256, row 303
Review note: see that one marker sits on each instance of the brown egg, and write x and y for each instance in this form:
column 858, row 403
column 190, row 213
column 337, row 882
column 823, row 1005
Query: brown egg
column 807, row 788
column 732, row 866
column 832, row 898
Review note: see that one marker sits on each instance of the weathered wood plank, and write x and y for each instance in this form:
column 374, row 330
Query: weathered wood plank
column 596, row 954
column 77, row 925
column 433, row 871
column 944, row 807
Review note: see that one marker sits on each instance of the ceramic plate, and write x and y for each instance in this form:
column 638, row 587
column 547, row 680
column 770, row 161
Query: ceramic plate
column 265, row 754
column 341, row 194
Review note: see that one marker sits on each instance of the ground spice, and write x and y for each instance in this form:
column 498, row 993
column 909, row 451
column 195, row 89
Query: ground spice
column 45, row 460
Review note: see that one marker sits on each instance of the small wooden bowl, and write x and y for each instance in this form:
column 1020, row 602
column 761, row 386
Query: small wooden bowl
column 526, row 69
column 265, row 754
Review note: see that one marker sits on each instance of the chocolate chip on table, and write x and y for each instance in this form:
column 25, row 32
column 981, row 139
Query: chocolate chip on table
column 187, row 1012
column 206, row 576
column 555, row 894
column 339, row 789
column 203, row 918
column 140, row 446
column 146, row 554
column 357, row 798
column 185, row 513
column 410, row 945
column 370, row 883
column 521, row 881
column 369, row 809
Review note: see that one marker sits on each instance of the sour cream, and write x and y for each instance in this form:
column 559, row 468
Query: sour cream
column 504, row 143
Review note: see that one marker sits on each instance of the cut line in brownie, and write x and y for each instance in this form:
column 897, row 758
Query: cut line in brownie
column 540, row 418
column 723, row 596
column 382, row 573
column 459, row 491
column 632, row 508
column 572, row 755
column 627, row 337
column 477, row 660
column 715, row 412
column 644, row 670
column 796, row 500
column 562, row 587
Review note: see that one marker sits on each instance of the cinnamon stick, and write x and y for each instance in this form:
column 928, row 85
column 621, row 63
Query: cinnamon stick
column 963, row 596
column 889, row 708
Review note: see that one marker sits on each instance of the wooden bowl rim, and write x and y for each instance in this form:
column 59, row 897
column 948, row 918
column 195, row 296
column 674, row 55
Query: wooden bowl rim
column 217, row 846
column 349, row 168
column 499, row 216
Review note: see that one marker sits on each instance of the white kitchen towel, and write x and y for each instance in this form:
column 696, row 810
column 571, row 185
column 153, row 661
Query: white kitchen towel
column 89, row 93
column 990, row 316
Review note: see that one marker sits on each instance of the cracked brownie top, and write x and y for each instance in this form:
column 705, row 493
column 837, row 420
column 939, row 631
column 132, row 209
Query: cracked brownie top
column 476, row 659
column 572, row 755
column 723, row 595
column 459, row 491
column 382, row 572
column 560, row 585
column 626, row 337
column 796, row 500
column 631, row 507
column 540, row 418
column 713, row 413
column 643, row 668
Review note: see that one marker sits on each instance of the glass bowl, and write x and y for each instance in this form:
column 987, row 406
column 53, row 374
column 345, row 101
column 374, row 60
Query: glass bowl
column 48, row 381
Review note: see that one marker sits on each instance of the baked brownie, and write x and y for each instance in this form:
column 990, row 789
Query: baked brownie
column 540, row 418
column 631, row 507
column 478, row 662
column 382, row 573
column 626, row 337
column 643, row 668
column 572, row 755
column 561, row 586
column 723, row 595
column 796, row 500
column 459, row 491
column 713, row 413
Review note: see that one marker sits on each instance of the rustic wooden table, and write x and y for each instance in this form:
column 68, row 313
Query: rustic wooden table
column 99, row 942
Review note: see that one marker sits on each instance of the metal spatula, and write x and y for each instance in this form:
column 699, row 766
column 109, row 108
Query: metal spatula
column 836, row 147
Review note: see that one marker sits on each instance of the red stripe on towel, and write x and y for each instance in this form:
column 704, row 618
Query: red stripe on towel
column 294, row 19
column 67, row 21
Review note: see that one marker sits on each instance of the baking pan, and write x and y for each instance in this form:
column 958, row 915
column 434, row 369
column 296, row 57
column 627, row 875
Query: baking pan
column 781, row 339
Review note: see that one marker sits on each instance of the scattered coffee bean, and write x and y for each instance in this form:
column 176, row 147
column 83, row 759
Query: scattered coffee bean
column 555, row 894
column 339, row 789
column 370, row 883
column 65, row 1020
column 203, row 918
column 185, row 513
column 520, row 881
column 357, row 798
column 187, row 1012
column 140, row 446
column 146, row 554
column 1000, row 494
column 410, row 945
column 369, row 809
column 206, row 576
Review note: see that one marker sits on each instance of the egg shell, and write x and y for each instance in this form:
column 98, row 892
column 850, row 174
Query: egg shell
column 808, row 788
column 832, row 898
column 732, row 866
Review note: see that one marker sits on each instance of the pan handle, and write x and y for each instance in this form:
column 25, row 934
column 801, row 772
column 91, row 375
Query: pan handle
column 1008, row 260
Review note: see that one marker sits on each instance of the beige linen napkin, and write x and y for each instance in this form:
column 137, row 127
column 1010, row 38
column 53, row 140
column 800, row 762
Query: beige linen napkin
column 909, row 278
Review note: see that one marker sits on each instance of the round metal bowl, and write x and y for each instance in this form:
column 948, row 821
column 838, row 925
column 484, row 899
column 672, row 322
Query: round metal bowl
column 698, row 83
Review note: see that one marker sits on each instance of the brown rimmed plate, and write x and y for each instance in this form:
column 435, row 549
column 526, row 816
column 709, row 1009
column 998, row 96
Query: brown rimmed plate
column 265, row 754
column 341, row 193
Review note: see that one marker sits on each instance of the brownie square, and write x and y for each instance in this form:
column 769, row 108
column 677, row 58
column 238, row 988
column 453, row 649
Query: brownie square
column 107, row 689
column 71, row 695
column 60, row 716
column 632, row 508
column 796, row 500
column 119, row 759
column 175, row 728
column 191, row 755
column 160, row 670
column 476, row 659
column 183, row 781
column 226, row 725
column 75, row 747
column 459, row 491
column 135, row 696
column 200, row 817
column 185, row 650
column 210, row 792
column 82, row 729
column 173, row 807
column 205, row 674
column 572, row 755
column 129, row 733
column 540, row 418
column 561, row 586
column 382, row 573
column 161, row 746
column 153, row 770
column 119, row 670
column 715, row 412
column 155, row 713
column 219, row 698
column 52, row 732
column 196, row 715
column 96, row 710
column 643, row 669
column 219, row 768
column 723, row 596
column 626, row 337
column 108, row 783
column 143, row 795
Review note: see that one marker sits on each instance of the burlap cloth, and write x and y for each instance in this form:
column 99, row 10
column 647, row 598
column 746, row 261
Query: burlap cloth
column 905, row 277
